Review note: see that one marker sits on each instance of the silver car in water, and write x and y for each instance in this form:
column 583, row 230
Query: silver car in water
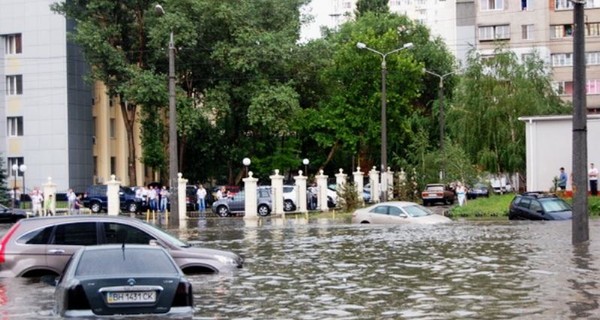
column 397, row 212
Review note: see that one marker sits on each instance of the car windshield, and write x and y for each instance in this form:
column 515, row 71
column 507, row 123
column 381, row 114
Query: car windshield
column 417, row 211
column 168, row 237
column 555, row 205
column 115, row 261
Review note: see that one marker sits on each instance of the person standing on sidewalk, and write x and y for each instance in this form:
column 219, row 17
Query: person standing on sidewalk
column 71, row 199
column 201, row 195
column 593, row 176
column 562, row 179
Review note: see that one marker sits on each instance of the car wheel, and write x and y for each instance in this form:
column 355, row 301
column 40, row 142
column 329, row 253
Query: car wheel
column 288, row 205
column 263, row 210
column 222, row 211
column 132, row 207
column 95, row 207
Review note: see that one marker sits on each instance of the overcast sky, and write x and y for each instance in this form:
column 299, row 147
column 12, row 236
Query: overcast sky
column 320, row 10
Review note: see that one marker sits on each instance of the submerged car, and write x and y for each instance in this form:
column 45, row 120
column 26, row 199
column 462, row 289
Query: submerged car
column 397, row 212
column 539, row 206
column 42, row 246
column 236, row 204
column 478, row 190
column 437, row 193
column 11, row 214
column 117, row 280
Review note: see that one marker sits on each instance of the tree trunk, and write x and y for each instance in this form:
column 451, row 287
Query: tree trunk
column 128, row 112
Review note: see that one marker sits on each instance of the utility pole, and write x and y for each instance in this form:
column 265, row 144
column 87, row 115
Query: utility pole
column 580, row 224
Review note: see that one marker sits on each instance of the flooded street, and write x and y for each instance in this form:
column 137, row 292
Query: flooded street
column 327, row 268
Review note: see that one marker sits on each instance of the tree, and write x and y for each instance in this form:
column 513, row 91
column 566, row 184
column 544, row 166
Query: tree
column 4, row 195
column 113, row 38
column 374, row 6
column 493, row 94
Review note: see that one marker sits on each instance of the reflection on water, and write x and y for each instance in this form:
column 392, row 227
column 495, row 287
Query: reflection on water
column 299, row 268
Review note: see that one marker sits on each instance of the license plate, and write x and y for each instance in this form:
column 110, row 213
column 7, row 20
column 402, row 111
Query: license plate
column 131, row 297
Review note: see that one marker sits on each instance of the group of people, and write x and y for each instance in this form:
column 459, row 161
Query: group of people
column 592, row 176
column 155, row 198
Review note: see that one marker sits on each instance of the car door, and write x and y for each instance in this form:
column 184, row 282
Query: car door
column 396, row 215
column 379, row 214
column 65, row 240
column 118, row 233
column 237, row 203
column 536, row 211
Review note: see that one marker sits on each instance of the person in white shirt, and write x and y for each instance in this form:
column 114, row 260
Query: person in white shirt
column 593, row 176
column 201, row 195
column 36, row 202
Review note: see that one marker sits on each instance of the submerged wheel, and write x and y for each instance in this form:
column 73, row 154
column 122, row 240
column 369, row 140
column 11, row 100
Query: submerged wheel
column 288, row 205
column 263, row 210
column 222, row 211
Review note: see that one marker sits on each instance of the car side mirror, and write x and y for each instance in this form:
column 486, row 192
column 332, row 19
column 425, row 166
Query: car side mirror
column 403, row 215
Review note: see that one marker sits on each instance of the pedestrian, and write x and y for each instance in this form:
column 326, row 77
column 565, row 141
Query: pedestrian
column 593, row 176
column 36, row 202
column 153, row 198
column 201, row 195
column 164, row 199
column 461, row 194
column 77, row 205
column 221, row 193
column 71, row 199
column 562, row 179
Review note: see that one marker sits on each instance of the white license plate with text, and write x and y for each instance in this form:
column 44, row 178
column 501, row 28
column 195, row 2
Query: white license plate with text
column 131, row 297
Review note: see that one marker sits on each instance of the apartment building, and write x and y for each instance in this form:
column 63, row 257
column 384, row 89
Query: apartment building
column 51, row 120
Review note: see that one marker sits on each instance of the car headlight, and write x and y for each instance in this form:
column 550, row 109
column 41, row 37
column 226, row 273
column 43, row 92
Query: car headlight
column 226, row 260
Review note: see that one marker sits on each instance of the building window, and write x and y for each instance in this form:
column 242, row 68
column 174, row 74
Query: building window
column 113, row 165
column 592, row 58
column 563, row 4
column 492, row 5
column 12, row 161
column 592, row 29
column 14, row 126
column 527, row 32
column 12, row 44
column 561, row 31
column 592, row 87
column 489, row 33
column 112, row 128
column 563, row 88
column 524, row 4
column 562, row 59
column 14, row 85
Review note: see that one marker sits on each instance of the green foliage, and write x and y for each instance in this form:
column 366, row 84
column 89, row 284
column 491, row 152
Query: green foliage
column 494, row 206
column 493, row 94
column 374, row 6
column 4, row 196
column 347, row 197
column 408, row 189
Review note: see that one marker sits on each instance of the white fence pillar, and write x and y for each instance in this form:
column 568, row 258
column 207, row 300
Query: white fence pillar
column 112, row 194
column 277, row 192
column 322, row 191
column 390, row 183
column 374, row 181
column 301, row 192
column 181, row 196
column 358, row 182
column 250, row 199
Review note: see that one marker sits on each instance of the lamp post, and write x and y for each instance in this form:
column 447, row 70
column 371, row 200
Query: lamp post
column 305, row 162
column 173, row 162
column 23, row 168
column 442, row 116
column 361, row 45
column 15, row 168
column 246, row 162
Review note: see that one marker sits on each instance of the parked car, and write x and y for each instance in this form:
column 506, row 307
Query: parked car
column 397, row 212
column 96, row 199
column 117, row 280
column 11, row 214
column 539, row 206
column 290, row 198
column 478, row 190
column 42, row 246
column 191, row 198
column 237, row 203
column 437, row 193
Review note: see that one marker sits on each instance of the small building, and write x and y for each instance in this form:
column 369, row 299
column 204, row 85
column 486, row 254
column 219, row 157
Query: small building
column 549, row 146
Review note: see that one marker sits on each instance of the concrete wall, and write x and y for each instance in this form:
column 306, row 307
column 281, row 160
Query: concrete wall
column 550, row 146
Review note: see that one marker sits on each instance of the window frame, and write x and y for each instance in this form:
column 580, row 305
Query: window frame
column 14, row 126
column 13, row 44
column 14, row 84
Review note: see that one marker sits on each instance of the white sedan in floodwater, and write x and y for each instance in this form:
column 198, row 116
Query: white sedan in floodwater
column 397, row 212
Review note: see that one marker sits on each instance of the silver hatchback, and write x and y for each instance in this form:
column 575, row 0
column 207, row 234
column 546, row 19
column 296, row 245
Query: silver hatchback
column 42, row 246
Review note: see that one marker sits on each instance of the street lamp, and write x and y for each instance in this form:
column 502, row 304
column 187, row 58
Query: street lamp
column 173, row 162
column 361, row 45
column 305, row 162
column 246, row 162
column 23, row 168
column 442, row 117
column 15, row 168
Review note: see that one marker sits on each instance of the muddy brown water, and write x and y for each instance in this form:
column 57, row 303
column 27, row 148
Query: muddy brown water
column 326, row 268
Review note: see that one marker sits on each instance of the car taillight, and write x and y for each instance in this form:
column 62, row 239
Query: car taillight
column 5, row 239
column 76, row 299
column 183, row 295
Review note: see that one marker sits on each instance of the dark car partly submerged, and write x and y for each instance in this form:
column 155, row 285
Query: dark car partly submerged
column 539, row 206
column 117, row 280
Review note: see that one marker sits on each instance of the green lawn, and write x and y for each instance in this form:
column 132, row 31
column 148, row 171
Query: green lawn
column 497, row 206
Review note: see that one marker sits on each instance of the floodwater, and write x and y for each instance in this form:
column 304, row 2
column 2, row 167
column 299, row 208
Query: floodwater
column 327, row 268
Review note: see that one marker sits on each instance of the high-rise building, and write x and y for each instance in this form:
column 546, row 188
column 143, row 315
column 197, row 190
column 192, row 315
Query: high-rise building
column 45, row 104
